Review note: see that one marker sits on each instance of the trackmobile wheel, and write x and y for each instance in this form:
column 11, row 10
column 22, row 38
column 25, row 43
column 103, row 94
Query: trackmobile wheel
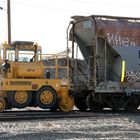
column 80, row 103
column 19, row 99
column 66, row 104
column 93, row 106
column 2, row 104
column 46, row 98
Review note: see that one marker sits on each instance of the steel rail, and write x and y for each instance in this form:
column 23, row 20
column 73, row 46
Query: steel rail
column 33, row 115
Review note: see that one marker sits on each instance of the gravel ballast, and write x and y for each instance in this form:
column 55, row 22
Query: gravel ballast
column 116, row 127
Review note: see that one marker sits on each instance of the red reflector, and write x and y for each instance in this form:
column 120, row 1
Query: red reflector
column 34, row 86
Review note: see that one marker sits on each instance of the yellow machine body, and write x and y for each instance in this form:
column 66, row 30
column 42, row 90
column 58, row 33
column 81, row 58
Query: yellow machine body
column 31, row 84
column 22, row 78
column 24, row 70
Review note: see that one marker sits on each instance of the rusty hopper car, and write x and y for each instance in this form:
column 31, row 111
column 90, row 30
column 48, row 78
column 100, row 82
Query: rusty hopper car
column 111, row 48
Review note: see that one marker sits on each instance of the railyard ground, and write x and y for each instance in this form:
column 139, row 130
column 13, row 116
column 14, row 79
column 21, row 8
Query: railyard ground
column 100, row 126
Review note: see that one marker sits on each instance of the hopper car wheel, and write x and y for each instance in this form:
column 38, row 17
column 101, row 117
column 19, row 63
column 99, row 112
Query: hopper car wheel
column 2, row 104
column 93, row 106
column 46, row 98
column 80, row 103
column 131, row 106
column 19, row 99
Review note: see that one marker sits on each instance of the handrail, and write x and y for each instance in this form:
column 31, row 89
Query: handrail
column 53, row 63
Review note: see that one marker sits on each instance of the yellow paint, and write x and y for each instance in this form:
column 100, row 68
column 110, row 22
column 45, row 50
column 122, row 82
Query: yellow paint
column 5, row 42
column 30, row 76
column 2, row 104
column 66, row 103
column 123, row 71
column 21, row 97
column 29, row 71
column 46, row 97
column 26, row 84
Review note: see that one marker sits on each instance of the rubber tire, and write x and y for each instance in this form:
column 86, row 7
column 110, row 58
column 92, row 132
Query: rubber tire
column 80, row 103
column 46, row 106
column 56, row 107
column 93, row 106
column 13, row 103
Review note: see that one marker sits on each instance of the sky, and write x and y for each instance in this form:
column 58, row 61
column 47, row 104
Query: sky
column 45, row 21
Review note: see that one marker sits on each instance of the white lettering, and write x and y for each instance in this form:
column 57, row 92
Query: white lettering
column 117, row 40
column 133, row 44
column 111, row 39
column 132, row 76
column 125, row 41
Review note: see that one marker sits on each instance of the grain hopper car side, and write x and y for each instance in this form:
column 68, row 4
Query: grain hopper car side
column 111, row 49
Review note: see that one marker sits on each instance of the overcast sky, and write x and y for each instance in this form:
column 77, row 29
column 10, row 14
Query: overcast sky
column 45, row 21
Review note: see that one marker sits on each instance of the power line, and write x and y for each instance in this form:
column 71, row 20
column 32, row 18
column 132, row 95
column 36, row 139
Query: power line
column 3, row 1
column 73, row 11
column 45, row 7
column 103, row 3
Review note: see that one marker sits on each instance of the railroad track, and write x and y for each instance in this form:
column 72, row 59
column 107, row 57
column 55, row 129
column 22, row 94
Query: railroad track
column 30, row 115
column 26, row 115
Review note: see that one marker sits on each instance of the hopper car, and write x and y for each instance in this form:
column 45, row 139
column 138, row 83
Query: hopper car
column 111, row 50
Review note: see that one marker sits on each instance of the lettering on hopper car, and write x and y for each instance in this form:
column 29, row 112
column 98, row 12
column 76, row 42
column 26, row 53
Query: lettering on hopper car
column 132, row 76
column 118, row 40
column 25, row 83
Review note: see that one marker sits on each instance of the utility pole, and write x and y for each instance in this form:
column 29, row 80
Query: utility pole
column 9, row 21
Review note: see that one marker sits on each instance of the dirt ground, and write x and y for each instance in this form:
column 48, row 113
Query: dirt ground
column 97, row 127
